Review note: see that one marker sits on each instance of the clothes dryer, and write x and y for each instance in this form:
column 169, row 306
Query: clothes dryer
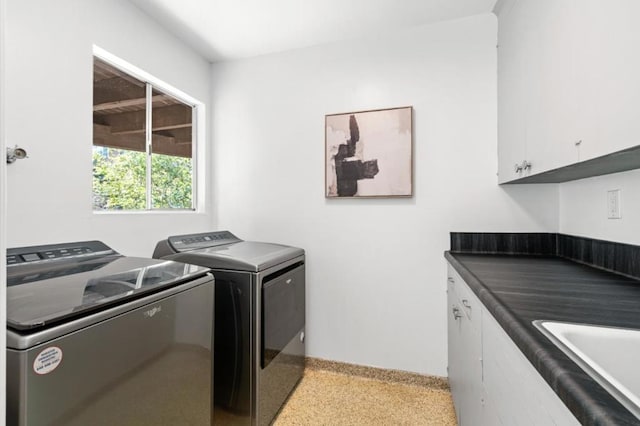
column 259, row 320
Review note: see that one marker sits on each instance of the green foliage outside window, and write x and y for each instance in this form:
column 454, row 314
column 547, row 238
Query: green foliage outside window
column 119, row 180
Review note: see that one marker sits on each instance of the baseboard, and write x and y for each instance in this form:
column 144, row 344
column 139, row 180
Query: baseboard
column 394, row 376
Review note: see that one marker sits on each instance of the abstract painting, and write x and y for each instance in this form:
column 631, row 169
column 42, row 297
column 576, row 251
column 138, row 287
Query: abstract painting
column 369, row 154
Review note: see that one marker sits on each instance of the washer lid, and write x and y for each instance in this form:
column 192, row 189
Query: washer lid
column 250, row 256
column 42, row 294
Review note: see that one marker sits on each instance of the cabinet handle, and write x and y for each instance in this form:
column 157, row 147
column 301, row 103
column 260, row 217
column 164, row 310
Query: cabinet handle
column 451, row 280
column 526, row 165
column 466, row 303
column 578, row 143
column 456, row 313
column 517, row 168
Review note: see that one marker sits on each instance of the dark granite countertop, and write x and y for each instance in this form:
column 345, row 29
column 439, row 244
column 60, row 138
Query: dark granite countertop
column 517, row 289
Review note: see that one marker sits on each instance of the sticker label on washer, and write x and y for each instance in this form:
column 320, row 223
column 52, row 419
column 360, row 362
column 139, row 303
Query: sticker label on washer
column 47, row 360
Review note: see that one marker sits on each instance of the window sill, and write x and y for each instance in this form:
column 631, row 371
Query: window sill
column 146, row 212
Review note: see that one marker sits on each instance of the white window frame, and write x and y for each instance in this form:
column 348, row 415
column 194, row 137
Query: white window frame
column 198, row 132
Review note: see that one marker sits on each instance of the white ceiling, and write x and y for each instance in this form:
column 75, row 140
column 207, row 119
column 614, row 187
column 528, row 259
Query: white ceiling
column 231, row 29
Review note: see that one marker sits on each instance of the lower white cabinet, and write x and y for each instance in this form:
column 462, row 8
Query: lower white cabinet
column 491, row 380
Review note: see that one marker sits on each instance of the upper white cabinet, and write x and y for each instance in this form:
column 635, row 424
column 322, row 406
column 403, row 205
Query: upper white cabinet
column 568, row 82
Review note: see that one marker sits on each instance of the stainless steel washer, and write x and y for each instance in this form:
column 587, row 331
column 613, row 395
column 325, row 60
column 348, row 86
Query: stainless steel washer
column 94, row 337
column 259, row 321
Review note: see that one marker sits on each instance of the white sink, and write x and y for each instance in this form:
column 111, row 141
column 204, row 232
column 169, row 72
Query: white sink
column 608, row 354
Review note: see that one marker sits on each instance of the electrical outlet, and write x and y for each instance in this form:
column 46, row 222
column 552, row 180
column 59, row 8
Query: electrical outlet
column 613, row 204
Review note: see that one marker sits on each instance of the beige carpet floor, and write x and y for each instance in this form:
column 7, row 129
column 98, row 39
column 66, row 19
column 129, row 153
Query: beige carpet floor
column 328, row 398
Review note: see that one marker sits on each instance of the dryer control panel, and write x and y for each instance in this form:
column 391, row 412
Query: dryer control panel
column 206, row 239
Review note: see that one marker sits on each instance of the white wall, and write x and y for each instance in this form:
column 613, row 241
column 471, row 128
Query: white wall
column 583, row 207
column 49, row 113
column 376, row 273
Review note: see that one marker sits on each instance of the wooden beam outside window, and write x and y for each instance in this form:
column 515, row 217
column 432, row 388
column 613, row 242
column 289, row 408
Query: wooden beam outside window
column 164, row 118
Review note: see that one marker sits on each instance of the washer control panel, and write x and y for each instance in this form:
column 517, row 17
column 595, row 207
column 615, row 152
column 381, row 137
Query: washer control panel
column 206, row 239
column 33, row 254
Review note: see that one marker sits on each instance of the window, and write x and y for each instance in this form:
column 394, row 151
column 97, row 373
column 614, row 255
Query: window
column 143, row 144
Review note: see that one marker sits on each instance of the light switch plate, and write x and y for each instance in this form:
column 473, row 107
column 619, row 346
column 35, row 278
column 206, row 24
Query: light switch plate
column 613, row 204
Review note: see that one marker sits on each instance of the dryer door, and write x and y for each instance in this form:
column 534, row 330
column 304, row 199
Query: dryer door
column 283, row 310
column 282, row 346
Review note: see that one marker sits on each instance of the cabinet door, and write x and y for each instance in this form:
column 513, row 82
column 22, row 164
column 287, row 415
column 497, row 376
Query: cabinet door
column 614, row 61
column 465, row 351
column 455, row 350
column 583, row 89
column 490, row 414
column 514, row 389
column 553, row 83
column 472, row 371
column 511, row 110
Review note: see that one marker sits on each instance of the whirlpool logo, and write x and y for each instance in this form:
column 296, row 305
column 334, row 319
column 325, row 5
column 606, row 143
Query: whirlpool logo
column 151, row 312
